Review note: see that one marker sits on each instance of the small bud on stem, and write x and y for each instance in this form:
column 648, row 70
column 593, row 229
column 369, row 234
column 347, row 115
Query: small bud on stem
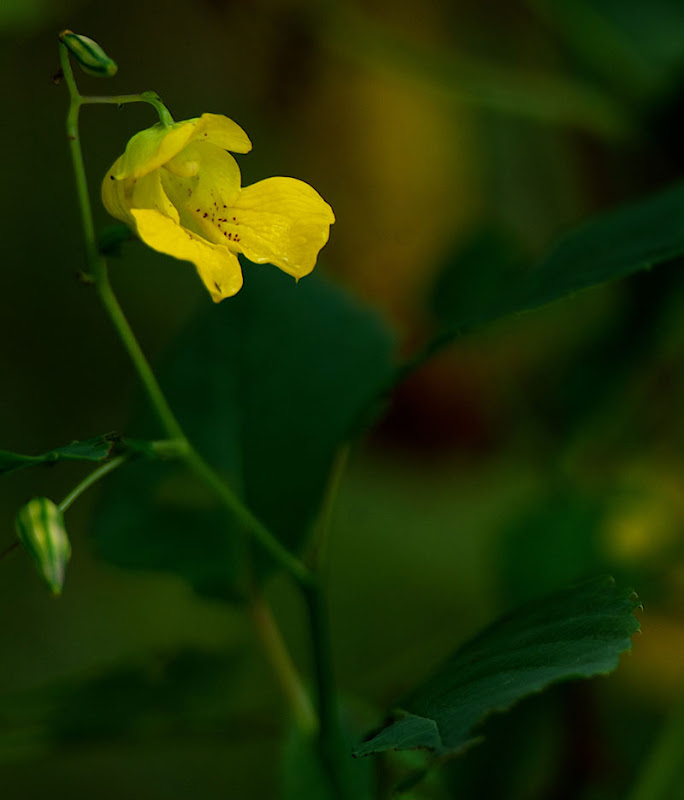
column 40, row 529
column 91, row 57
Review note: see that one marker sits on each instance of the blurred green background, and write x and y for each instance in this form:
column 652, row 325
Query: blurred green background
column 544, row 448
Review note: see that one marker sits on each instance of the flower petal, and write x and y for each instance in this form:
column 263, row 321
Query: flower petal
column 203, row 199
column 216, row 265
column 114, row 195
column 282, row 221
column 223, row 132
column 152, row 148
column 119, row 197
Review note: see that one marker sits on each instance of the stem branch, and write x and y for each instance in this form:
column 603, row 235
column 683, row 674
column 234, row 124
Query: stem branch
column 98, row 266
column 661, row 775
column 89, row 480
column 333, row 749
column 121, row 99
column 179, row 444
column 281, row 661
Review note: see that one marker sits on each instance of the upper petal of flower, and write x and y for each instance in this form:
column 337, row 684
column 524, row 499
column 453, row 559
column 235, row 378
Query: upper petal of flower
column 216, row 265
column 281, row 221
column 152, row 148
column 223, row 132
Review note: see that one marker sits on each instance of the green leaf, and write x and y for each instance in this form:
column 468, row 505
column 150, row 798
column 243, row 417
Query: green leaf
column 181, row 693
column 267, row 385
column 577, row 633
column 612, row 246
column 471, row 281
column 552, row 542
column 100, row 448
column 164, row 696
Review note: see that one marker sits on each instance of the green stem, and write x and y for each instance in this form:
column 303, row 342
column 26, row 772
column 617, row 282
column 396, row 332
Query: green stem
column 661, row 777
column 147, row 377
column 98, row 266
column 9, row 549
column 319, row 542
column 89, row 480
column 333, row 749
column 269, row 634
column 256, row 528
column 77, row 159
column 121, row 99
column 279, row 657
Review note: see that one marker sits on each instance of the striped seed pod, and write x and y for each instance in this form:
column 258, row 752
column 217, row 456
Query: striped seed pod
column 90, row 56
column 40, row 529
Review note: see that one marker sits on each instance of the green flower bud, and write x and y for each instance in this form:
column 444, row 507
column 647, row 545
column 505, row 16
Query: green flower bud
column 40, row 528
column 89, row 54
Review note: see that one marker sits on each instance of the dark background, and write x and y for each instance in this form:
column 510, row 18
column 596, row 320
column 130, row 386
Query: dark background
column 541, row 449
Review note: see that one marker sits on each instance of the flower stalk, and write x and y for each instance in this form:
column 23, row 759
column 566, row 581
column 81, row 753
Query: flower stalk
column 98, row 267
column 178, row 442
column 321, row 721
column 90, row 479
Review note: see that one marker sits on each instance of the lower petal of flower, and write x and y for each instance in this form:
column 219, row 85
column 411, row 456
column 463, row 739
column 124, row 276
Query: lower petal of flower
column 216, row 265
column 281, row 221
column 119, row 197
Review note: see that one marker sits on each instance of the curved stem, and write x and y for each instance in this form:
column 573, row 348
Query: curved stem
column 89, row 480
column 121, row 99
column 319, row 540
column 179, row 444
column 256, row 528
column 333, row 750
column 661, row 776
column 147, row 377
column 9, row 549
column 279, row 657
column 98, row 267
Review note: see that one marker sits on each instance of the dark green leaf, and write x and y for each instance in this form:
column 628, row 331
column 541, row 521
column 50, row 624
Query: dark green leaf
column 163, row 696
column 191, row 689
column 268, row 385
column 472, row 279
column 100, row 448
column 112, row 237
column 552, row 542
column 577, row 633
column 620, row 243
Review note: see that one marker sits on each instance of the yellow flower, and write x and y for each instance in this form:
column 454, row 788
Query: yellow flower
column 180, row 190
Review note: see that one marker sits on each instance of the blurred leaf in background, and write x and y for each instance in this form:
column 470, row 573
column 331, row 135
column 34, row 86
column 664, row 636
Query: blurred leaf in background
column 269, row 386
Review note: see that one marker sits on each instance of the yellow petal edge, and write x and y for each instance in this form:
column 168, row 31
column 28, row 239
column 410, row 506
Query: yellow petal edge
column 179, row 189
